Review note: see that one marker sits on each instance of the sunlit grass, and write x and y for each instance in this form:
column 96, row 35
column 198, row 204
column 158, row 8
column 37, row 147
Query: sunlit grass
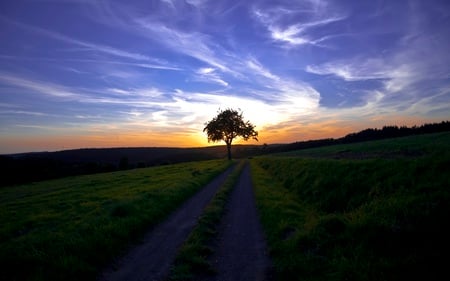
column 373, row 219
column 67, row 229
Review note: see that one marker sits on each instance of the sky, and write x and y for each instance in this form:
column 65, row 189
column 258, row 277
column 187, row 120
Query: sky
column 85, row 73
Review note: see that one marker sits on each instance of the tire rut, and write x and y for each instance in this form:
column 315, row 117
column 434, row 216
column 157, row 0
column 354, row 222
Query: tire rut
column 241, row 252
column 151, row 260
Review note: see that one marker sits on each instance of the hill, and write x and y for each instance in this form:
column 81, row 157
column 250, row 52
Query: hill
column 37, row 166
column 368, row 211
column 370, row 134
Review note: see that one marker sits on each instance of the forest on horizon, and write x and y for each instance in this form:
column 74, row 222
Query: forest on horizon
column 38, row 166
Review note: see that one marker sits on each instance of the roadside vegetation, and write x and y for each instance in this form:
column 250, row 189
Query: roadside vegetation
column 375, row 217
column 68, row 229
column 193, row 257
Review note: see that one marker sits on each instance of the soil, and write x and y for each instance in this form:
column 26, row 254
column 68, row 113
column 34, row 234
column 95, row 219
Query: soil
column 152, row 259
column 241, row 252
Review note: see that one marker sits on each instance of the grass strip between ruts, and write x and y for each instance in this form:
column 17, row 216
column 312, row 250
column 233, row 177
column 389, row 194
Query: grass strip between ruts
column 192, row 258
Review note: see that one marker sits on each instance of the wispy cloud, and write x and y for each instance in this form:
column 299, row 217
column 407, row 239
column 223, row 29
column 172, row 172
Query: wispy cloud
column 291, row 34
column 165, row 67
column 48, row 89
column 169, row 3
column 278, row 84
column 163, row 29
column 193, row 44
column 256, row 66
column 145, row 93
column 401, row 74
column 209, row 74
column 136, row 97
column 295, row 26
column 144, row 65
column 93, row 46
column 22, row 112
column 353, row 70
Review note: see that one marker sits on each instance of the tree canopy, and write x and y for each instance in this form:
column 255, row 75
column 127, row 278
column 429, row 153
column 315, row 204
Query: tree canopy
column 227, row 125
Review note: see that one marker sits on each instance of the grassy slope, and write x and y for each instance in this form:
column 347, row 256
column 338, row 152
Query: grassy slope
column 388, row 148
column 67, row 229
column 372, row 219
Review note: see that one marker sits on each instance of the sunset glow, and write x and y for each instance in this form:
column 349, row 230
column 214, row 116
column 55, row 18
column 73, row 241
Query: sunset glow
column 81, row 74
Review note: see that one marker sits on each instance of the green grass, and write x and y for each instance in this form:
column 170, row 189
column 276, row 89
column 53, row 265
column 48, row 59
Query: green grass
column 372, row 219
column 193, row 257
column 67, row 229
column 411, row 146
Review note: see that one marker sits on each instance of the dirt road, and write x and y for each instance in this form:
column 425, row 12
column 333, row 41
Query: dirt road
column 152, row 259
column 241, row 253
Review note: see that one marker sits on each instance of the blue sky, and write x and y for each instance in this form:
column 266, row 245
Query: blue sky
column 80, row 73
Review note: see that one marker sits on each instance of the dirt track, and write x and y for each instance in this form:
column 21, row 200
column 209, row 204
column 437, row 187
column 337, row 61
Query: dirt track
column 152, row 259
column 241, row 253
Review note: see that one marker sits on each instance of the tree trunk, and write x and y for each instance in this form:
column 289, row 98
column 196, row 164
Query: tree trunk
column 229, row 150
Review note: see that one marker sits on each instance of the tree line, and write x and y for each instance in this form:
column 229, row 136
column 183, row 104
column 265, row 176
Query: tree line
column 370, row 134
column 30, row 167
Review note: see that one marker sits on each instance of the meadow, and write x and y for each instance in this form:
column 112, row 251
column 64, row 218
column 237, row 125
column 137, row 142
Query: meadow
column 374, row 210
column 368, row 211
column 404, row 147
column 68, row 229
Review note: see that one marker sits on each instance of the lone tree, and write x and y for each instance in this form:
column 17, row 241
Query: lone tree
column 227, row 125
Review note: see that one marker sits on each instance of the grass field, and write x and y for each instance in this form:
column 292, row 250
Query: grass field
column 411, row 146
column 67, row 229
column 384, row 216
column 367, row 211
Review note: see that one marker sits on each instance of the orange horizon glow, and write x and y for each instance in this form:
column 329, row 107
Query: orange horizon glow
column 272, row 135
column 127, row 78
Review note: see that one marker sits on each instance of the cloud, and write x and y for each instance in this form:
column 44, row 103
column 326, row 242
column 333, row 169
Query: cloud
column 299, row 97
column 48, row 89
column 169, row 3
column 352, row 70
column 178, row 29
column 291, row 34
column 141, row 97
column 296, row 26
column 172, row 67
column 208, row 74
column 404, row 77
column 22, row 112
column 95, row 47
column 193, row 44
column 205, row 70
column 410, row 64
column 94, row 62
column 196, row 3
column 259, row 69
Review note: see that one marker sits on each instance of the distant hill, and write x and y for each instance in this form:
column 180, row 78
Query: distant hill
column 37, row 166
column 29, row 167
column 365, row 135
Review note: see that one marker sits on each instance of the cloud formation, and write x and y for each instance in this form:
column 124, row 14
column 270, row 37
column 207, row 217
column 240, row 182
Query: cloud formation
column 139, row 72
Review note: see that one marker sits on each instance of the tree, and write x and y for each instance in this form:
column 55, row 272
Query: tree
column 227, row 125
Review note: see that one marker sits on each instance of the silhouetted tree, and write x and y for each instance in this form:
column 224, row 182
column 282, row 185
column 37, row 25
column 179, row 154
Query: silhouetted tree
column 227, row 125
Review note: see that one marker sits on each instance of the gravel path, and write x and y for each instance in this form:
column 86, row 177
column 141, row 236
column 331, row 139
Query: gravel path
column 241, row 253
column 152, row 259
